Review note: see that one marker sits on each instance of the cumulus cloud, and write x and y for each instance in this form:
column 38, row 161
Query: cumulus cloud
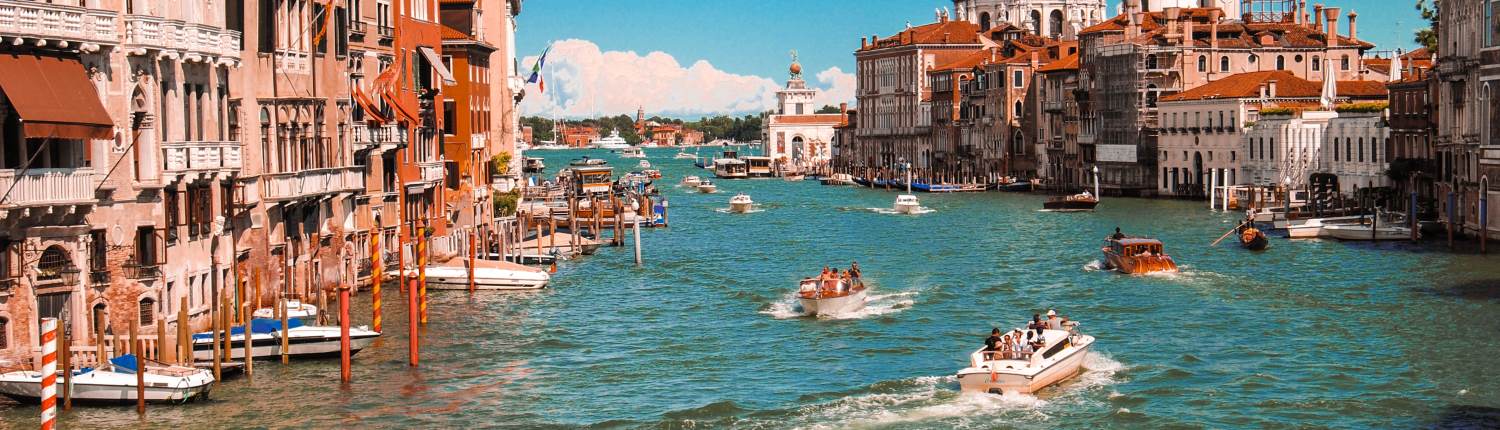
column 585, row 81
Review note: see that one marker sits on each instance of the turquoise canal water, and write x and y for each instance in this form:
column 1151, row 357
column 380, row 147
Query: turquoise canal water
column 1310, row 333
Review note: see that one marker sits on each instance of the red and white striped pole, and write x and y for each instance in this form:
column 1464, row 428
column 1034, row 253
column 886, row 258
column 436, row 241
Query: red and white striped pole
column 49, row 373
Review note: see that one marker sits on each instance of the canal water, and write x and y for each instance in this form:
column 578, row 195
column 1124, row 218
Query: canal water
column 1314, row 333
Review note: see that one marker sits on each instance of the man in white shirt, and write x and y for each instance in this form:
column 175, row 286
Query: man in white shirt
column 1053, row 322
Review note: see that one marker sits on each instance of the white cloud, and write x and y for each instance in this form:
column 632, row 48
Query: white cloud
column 583, row 81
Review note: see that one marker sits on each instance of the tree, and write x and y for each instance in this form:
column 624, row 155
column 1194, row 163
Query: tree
column 1427, row 37
column 828, row 109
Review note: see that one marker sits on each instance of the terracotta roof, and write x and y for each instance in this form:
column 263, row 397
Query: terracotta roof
column 945, row 32
column 450, row 33
column 1288, row 85
column 1232, row 34
column 1068, row 63
column 969, row 61
column 823, row 118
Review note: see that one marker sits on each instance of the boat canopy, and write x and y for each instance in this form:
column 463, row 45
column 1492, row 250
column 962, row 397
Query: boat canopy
column 126, row 363
column 258, row 325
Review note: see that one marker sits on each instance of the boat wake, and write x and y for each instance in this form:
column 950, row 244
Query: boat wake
column 935, row 400
column 1094, row 266
column 889, row 211
column 727, row 211
column 875, row 305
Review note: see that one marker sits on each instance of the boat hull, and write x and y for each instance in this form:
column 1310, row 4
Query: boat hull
column 1255, row 241
column 1027, row 379
column 1138, row 265
column 322, row 345
column 741, row 207
column 485, row 278
column 111, row 388
column 908, row 209
column 708, row 189
column 832, row 306
column 1361, row 232
column 1070, row 205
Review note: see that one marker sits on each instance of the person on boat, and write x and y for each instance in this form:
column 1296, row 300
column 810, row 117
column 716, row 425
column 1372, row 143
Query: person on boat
column 833, row 281
column 1118, row 235
column 995, row 343
column 854, row 269
column 1053, row 322
column 1034, row 329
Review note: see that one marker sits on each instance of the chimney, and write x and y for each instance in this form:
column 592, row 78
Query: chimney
column 1262, row 91
column 1213, row 34
column 1301, row 12
column 1271, row 88
column 994, row 55
column 1332, row 14
column 843, row 113
column 1035, row 62
column 863, row 44
column 1187, row 31
column 1353, row 31
column 1173, row 14
column 1318, row 18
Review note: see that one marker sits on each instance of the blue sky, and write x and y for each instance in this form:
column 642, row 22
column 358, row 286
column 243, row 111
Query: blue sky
column 751, row 39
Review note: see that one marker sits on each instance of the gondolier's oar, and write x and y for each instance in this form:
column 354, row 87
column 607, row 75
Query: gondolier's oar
column 1226, row 235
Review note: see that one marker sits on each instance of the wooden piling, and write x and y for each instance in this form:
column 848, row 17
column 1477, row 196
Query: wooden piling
column 344, row 350
column 48, row 368
column 637, row 242
column 422, row 244
column 184, row 340
column 257, row 291
column 286, row 344
column 140, row 369
column 376, row 272
column 412, row 339
column 65, row 360
column 101, row 356
column 472, row 238
column 322, row 318
column 161, row 339
column 218, row 356
column 249, row 355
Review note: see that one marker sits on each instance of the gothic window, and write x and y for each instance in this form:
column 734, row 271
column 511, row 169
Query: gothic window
column 53, row 263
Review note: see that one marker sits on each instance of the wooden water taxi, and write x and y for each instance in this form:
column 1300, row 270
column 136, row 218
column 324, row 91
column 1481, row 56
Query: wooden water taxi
column 1136, row 255
column 820, row 297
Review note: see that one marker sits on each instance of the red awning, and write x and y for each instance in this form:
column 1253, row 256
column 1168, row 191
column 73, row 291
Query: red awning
column 54, row 97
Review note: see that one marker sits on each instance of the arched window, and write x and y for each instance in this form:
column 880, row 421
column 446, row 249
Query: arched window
column 1361, row 149
column 1150, row 61
column 1224, row 64
column 1280, row 62
column 1036, row 22
column 1018, row 109
column 1344, row 62
column 4, row 333
column 1348, row 150
column 54, row 263
column 101, row 317
column 1317, row 63
column 1202, row 64
column 1151, row 95
column 1335, row 149
column 148, row 311
column 1057, row 23
column 984, row 21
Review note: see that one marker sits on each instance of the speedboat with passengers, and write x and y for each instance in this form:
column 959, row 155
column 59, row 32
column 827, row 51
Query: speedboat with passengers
column 1058, row 356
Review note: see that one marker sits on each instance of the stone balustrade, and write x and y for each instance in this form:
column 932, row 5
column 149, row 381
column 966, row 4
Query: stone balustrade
column 205, row 42
column 314, row 182
column 200, row 156
column 45, row 187
column 55, row 21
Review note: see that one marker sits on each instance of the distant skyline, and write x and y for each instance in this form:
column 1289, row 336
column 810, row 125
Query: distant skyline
column 689, row 59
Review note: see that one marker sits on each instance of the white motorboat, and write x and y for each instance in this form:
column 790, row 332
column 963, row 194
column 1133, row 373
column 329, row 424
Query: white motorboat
column 839, row 179
column 691, row 181
column 1060, row 357
column 485, row 278
column 907, row 204
column 614, row 141
column 1313, row 227
column 831, row 297
column 633, row 152
column 741, row 203
column 643, row 164
column 685, row 156
column 1388, row 228
column 304, row 341
column 548, row 145
column 794, row 177
column 115, row 383
column 707, row 187
column 295, row 309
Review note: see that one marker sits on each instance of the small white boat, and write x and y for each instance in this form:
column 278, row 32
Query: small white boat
column 907, row 204
column 741, row 203
column 633, row 152
column 295, row 309
column 684, row 156
column 1313, row 227
column 707, row 187
column 839, row 179
column 1390, row 228
column 793, row 177
column 643, row 164
column 485, row 278
column 304, row 341
column 691, row 181
column 115, row 383
column 1060, row 357
column 614, row 141
column 833, row 297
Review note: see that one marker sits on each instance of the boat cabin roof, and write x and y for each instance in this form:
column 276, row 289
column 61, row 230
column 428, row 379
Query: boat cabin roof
column 1138, row 241
column 593, row 170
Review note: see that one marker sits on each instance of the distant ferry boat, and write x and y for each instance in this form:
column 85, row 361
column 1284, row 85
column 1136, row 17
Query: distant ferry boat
column 614, row 141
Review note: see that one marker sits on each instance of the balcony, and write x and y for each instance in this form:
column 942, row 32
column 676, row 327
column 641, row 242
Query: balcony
column 185, row 157
column 47, row 187
column 432, row 171
column 7, row 287
column 195, row 42
column 142, row 271
column 358, row 27
column 385, row 138
column 311, row 183
column 55, row 21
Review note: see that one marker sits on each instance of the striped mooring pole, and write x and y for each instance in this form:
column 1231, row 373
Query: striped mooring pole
column 49, row 373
